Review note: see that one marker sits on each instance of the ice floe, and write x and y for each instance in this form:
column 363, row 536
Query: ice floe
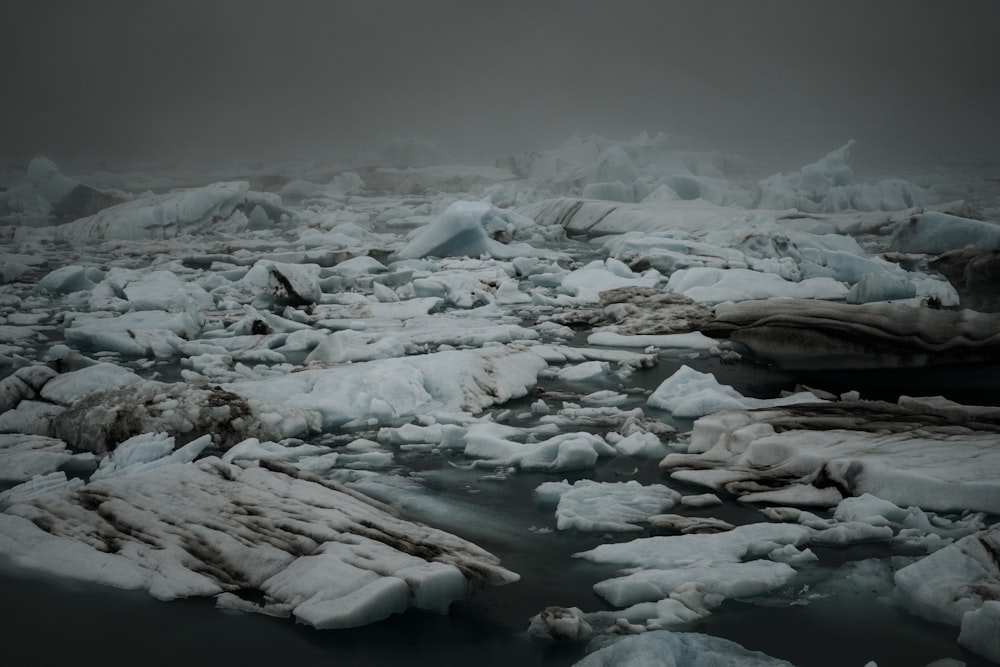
column 615, row 507
column 315, row 550
column 805, row 334
column 911, row 454
column 689, row 394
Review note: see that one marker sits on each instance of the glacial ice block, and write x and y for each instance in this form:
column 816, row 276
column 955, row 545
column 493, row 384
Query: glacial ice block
column 325, row 554
column 806, row 334
column 469, row 229
column 922, row 454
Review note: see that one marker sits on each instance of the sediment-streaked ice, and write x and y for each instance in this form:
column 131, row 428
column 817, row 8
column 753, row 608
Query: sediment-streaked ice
column 815, row 453
column 326, row 555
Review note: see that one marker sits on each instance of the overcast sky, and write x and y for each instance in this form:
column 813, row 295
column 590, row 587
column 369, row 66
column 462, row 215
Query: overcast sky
column 905, row 78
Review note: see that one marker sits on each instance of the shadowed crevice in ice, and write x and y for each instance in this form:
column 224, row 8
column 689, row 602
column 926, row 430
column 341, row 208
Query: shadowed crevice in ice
column 930, row 453
column 810, row 335
column 317, row 550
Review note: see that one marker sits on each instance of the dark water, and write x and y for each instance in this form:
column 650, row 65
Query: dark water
column 54, row 622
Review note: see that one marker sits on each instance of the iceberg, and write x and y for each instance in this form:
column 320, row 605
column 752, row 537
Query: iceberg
column 936, row 233
column 689, row 394
column 827, row 186
column 156, row 217
column 806, row 334
column 470, row 229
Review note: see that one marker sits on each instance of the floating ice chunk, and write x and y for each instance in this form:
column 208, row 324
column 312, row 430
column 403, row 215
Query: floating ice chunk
column 604, row 398
column 880, row 287
column 806, row 334
column 163, row 290
column 679, row 341
column 147, row 451
column 981, row 631
column 448, row 436
column 74, row 385
column 295, row 284
column 683, row 551
column 566, row 451
column 48, row 192
column 153, row 333
column 687, row 575
column 879, row 512
column 695, row 524
column 723, row 580
column 952, row 581
column 588, row 371
column 30, row 418
column 587, row 283
column 639, row 444
column 662, row 647
column 689, row 393
column 162, row 216
column 252, row 449
column 701, row 500
column 917, row 458
column 25, row 383
column 208, row 527
column 827, row 185
column 469, row 229
column 389, row 389
column 713, row 286
column 351, row 346
column 607, row 506
column 73, row 278
column 396, row 310
column 346, row 182
column 359, row 266
column 937, row 233
column 560, row 624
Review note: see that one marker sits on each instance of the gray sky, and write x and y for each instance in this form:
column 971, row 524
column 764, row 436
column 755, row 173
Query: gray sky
column 905, row 78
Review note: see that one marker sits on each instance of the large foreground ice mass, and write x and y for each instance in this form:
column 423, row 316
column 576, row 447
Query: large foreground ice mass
column 324, row 554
